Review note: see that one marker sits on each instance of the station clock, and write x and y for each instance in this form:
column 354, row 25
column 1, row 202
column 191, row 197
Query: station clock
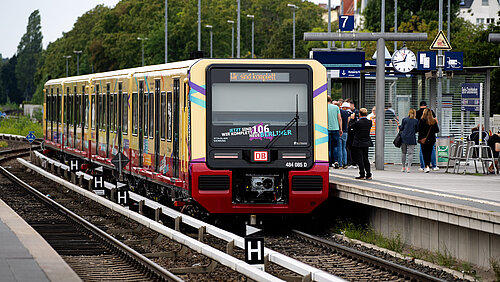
column 404, row 60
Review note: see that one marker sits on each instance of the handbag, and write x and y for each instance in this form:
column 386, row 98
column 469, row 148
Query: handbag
column 397, row 141
column 423, row 140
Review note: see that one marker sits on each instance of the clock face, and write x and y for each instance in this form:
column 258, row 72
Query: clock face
column 404, row 60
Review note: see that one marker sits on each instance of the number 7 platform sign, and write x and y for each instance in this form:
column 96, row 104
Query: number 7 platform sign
column 346, row 23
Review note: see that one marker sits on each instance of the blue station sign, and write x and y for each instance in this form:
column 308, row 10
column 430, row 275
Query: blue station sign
column 31, row 137
column 426, row 60
column 346, row 23
column 453, row 61
column 470, row 96
column 350, row 73
column 340, row 60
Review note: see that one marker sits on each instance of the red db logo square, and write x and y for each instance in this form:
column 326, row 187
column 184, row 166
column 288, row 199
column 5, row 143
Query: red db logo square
column 260, row 156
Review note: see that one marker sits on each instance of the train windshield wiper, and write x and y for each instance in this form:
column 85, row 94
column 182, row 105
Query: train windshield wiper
column 295, row 120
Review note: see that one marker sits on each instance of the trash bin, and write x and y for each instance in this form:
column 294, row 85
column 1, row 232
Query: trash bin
column 443, row 145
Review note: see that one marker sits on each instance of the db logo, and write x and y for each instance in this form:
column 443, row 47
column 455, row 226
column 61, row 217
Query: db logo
column 260, row 156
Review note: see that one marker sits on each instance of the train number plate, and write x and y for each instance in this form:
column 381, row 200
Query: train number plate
column 260, row 156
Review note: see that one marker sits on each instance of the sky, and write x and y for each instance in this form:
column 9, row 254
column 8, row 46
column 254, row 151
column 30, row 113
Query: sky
column 57, row 16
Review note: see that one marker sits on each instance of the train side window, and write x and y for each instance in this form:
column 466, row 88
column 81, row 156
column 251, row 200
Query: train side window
column 169, row 116
column 48, row 111
column 85, row 109
column 151, row 115
column 53, row 105
column 99, row 110
column 67, row 107
column 112, row 113
column 163, row 112
column 106, row 106
column 125, row 113
column 145, row 114
column 185, row 85
column 135, row 114
column 59, row 111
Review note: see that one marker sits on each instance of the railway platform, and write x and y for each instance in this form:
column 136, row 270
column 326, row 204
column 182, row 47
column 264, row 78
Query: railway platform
column 25, row 255
column 444, row 212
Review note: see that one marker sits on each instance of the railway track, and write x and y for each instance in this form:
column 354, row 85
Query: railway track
column 399, row 272
column 341, row 263
column 93, row 254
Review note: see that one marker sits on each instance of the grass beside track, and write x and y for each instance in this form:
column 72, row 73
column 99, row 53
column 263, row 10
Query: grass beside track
column 21, row 125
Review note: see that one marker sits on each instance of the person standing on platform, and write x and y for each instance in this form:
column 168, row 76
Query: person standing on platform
column 343, row 138
column 427, row 129
column 494, row 143
column 334, row 132
column 423, row 106
column 360, row 144
column 353, row 117
column 408, row 129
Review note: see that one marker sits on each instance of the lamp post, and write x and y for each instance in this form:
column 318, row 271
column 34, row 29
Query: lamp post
column 294, row 8
column 210, row 27
column 77, row 52
column 199, row 25
column 252, row 17
column 232, row 37
column 67, row 57
column 238, row 27
column 142, row 43
column 166, row 31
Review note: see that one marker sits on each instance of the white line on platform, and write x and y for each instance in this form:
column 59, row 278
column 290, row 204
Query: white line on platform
column 423, row 191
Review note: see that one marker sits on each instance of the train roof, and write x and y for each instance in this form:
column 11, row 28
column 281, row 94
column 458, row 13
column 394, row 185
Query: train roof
column 123, row 72
column 171, row 68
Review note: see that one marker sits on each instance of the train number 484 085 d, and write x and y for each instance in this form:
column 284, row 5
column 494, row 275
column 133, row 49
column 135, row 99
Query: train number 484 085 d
column 296, row 164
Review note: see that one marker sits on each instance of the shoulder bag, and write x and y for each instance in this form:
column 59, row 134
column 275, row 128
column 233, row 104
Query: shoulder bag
column 397, row 141
column 423, row 140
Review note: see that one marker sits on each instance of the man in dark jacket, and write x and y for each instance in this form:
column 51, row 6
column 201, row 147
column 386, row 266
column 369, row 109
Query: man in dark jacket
column 360, row 144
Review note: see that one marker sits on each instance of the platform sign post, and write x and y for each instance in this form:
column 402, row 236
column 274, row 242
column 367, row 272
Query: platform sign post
column 122, row 193
column 472, row 101
column 254, row 244
column 99, row 182
column 31, row 137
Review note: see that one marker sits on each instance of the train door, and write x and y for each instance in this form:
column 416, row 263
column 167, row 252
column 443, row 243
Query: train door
column 157, row 124
column 96, row 116
column 141, row 120
column 119, row 116
column 85, row 116
column 58, row 117
column 52, row 111
column 76, row 115
column 107, row 117
column 175, row 138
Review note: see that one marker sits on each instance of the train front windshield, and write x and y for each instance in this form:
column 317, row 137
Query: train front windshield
column 260, row 108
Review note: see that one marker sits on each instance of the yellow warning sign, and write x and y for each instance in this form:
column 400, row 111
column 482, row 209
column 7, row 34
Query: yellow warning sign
column 440, row 42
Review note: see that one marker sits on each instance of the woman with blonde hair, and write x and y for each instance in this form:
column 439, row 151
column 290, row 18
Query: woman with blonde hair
column 427, row 129
column 408, row 129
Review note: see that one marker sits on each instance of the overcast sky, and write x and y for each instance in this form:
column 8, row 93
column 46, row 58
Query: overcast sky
column 57, row 16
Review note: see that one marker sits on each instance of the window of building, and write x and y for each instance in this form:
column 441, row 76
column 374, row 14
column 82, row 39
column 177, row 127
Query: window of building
column 479, row 21
column 485, row 2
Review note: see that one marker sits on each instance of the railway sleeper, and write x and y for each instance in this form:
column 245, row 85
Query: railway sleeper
column 195, row 269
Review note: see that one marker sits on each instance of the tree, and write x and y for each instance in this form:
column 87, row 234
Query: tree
column 28, row 52
column 9, row 81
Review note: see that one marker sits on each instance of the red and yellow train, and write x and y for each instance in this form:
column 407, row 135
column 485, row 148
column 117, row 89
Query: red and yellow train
column 231, row 136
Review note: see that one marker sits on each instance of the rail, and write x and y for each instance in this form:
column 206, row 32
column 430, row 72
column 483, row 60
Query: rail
column 272, row 256
column 119, row 246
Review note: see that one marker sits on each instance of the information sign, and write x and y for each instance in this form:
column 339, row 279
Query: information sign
column 31, row 137
column 340, row 60
column 254, row 250
column 346, row 23
column 349, row 73
column 426, row 60
column 470, row 97
column 453, row 60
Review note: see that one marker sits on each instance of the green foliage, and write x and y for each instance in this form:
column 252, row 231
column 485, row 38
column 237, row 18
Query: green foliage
column 28, row 51
column 3, row 144
column 495, row 266
column 21, row 125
